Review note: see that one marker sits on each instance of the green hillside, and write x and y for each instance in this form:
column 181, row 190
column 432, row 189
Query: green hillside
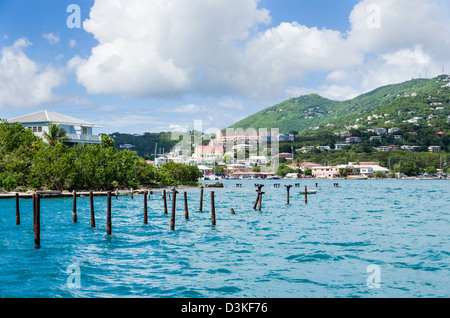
column 313, row 112
column 145, row 144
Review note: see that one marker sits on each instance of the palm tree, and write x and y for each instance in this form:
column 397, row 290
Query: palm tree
column 55, row 134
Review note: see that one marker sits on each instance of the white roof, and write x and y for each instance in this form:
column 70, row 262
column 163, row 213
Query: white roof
column 201, row 167
column 48, row 116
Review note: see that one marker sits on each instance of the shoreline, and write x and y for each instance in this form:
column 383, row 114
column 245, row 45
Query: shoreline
column 156, row 190
column 83, row 193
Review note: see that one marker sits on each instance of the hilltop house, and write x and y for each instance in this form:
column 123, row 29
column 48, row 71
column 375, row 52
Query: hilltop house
column 77, row 131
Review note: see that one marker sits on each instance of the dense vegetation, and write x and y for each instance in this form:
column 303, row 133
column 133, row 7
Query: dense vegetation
column 26, row 162
column 146, row 144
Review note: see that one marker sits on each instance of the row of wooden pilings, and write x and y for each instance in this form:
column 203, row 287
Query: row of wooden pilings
column 36, row 198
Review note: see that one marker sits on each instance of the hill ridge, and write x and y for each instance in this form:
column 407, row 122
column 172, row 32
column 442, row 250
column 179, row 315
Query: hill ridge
column 313, row 111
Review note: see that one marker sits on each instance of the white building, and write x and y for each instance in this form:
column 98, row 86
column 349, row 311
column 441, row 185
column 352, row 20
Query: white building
column 77, row 130
column 366, row 168
column 380, row 131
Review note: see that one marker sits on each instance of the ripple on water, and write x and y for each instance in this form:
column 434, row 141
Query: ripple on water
column 321, row 249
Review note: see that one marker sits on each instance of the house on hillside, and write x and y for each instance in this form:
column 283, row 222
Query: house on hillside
column 77, row 130
column 353, row 140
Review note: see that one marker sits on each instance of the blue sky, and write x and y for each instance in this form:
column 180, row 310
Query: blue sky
column 138, row 66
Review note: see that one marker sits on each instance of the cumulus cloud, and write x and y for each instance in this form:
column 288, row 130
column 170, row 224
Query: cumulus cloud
column 164, row 48
column 176, row 47
column 410, row 41
column 23, row 83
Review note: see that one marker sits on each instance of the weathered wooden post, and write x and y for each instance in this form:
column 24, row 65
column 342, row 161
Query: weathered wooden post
column 108, row 213
column 165, row 202
column 201, row 199
column 306, row 194
column 74, row 217
column 91, row 201
column 17, row 209
column 232, row 211
column 186, row 210
column 213, row 209
column 145, row 208
column 288, row 187
column 256, row 202
column 316, row 184
column 37, row 232
column 172, row 220
column 131, row 193
column 260, row 200
column 116, row 193
column 33, row 197
column 258, row 197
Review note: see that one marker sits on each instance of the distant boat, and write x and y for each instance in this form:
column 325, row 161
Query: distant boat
column 357, row 177
column 308, row 192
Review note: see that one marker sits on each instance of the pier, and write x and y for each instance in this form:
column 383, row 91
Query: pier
column 157, row 202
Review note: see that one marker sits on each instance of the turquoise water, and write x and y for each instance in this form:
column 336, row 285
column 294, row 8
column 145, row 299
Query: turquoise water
column 319, row 249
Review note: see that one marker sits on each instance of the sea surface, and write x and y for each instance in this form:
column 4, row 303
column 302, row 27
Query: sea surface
column 365, row 238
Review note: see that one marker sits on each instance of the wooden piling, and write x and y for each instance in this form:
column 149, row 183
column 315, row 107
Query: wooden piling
column 172, row 220
column 260, row 200
column 37, row 232
column 33, row 197
column 17, row 209
column 256, row 202
column 74, row 217
column 213, row 209
column 91, row 201
column 258, row 197
column 131, row 193
column 201, row 199
column 288, row 187
column 165, row 202
column 232, row 212
column 306, row 194
column 145, row 208
column 186, row 210
column 108, row 214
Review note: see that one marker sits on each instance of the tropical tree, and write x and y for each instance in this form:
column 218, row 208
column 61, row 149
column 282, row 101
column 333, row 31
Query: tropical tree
column 55, row 134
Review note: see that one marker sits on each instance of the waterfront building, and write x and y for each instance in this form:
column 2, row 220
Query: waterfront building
column 77, row 130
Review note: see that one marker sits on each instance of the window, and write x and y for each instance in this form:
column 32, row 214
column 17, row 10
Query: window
column 84, row 130
column 35, row 128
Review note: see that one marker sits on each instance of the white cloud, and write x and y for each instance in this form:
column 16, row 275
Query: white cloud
column 190, row 109
column 72, row 43
column 177, row 47
column 165, row 48
column 403, row 24
column 231, row 104
column 51, row 38
column 23, row 83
